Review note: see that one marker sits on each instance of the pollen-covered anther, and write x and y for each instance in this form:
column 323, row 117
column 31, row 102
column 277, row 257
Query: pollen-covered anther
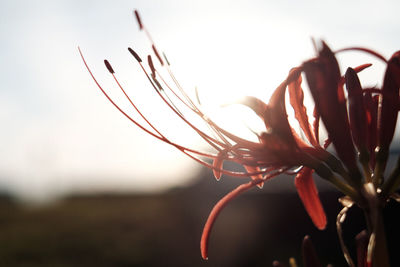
column 134, row 54
column 157, row 83
column 151, row 65
column 139, row 21
column 166, row 59
column 108, row 66
column 157, row 55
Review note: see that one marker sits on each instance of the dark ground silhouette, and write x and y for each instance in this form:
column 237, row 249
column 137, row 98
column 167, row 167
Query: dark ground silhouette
column 164, row 229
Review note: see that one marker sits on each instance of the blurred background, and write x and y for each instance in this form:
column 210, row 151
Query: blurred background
column 82, row 186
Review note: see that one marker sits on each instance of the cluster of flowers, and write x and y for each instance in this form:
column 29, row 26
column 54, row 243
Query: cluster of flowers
column 360, row 123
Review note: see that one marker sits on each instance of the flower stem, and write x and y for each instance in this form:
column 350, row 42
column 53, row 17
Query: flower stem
column 344, row 188
column 393, row 182
column 377, row 248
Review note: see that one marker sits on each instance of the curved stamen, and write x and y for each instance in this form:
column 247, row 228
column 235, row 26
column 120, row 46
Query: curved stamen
column 197, row 111
column 200, row 132
column 183, row 149
column 112, row 102
column 155, row 50
column 134, row 106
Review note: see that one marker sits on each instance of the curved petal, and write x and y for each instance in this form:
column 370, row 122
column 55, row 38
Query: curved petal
column 222, row 203
column 309, row 196
column 296, row 100
column 218, row 164
column 390, row 101
column 215, row 212
column 323, row 77
column 389, row 109
column 371, row 104
column 257, row 105
column 357, row 111
column 276, row 117
column 252, row 169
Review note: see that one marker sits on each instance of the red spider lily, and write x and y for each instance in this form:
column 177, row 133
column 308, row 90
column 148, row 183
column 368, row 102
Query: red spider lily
column 280, row 149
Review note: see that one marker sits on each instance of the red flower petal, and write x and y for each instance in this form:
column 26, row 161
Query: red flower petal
column 276, row 117
column 279, row 138
column 316, row 124
column 309, row 196
column 357, row 111
column 257, row 105
column 390, row 101
column 252, row 169
column 389, row 107
column 218, row 164
column 215, row 212
column 296, row 100
column 323, row 77
column 371, row 104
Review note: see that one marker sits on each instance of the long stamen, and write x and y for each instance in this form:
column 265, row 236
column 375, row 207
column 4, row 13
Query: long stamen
column 201, row 133
column 182, row 148
column 195, row 107
column 155, row 50
column 157, row 55
column 227, row 172
column 219, row 130
column 142, row 27
column 213, row 142
column 154, row 72
column 134, row 106
column 198, row 112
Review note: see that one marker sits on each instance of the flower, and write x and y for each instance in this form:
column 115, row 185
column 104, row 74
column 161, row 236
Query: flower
column 357, row 124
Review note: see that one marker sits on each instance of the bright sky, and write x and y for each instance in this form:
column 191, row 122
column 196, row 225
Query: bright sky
column 58, row 132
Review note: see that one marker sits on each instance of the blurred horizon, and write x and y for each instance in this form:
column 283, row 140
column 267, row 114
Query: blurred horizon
column 59, row 135
column 135, row 229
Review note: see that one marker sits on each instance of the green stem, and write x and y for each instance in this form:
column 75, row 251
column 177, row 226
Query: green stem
column 382, row 155
column 325, row 172
column 374, row 218
column 344, row 188
column 364, row 160
column 337, row 166
column 393, row 182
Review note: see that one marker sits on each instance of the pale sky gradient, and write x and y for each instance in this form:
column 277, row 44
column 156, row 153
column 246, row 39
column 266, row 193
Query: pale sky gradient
column 59, row 134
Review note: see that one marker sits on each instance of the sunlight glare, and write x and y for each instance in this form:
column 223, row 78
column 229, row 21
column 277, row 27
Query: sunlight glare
column 230, row 61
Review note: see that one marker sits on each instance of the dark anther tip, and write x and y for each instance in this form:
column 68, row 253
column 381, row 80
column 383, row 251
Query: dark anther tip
column 134, row 54
column 108, row 65
column 139, row 21
column 166, row 59
column 157, row 55
column 151, row 65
